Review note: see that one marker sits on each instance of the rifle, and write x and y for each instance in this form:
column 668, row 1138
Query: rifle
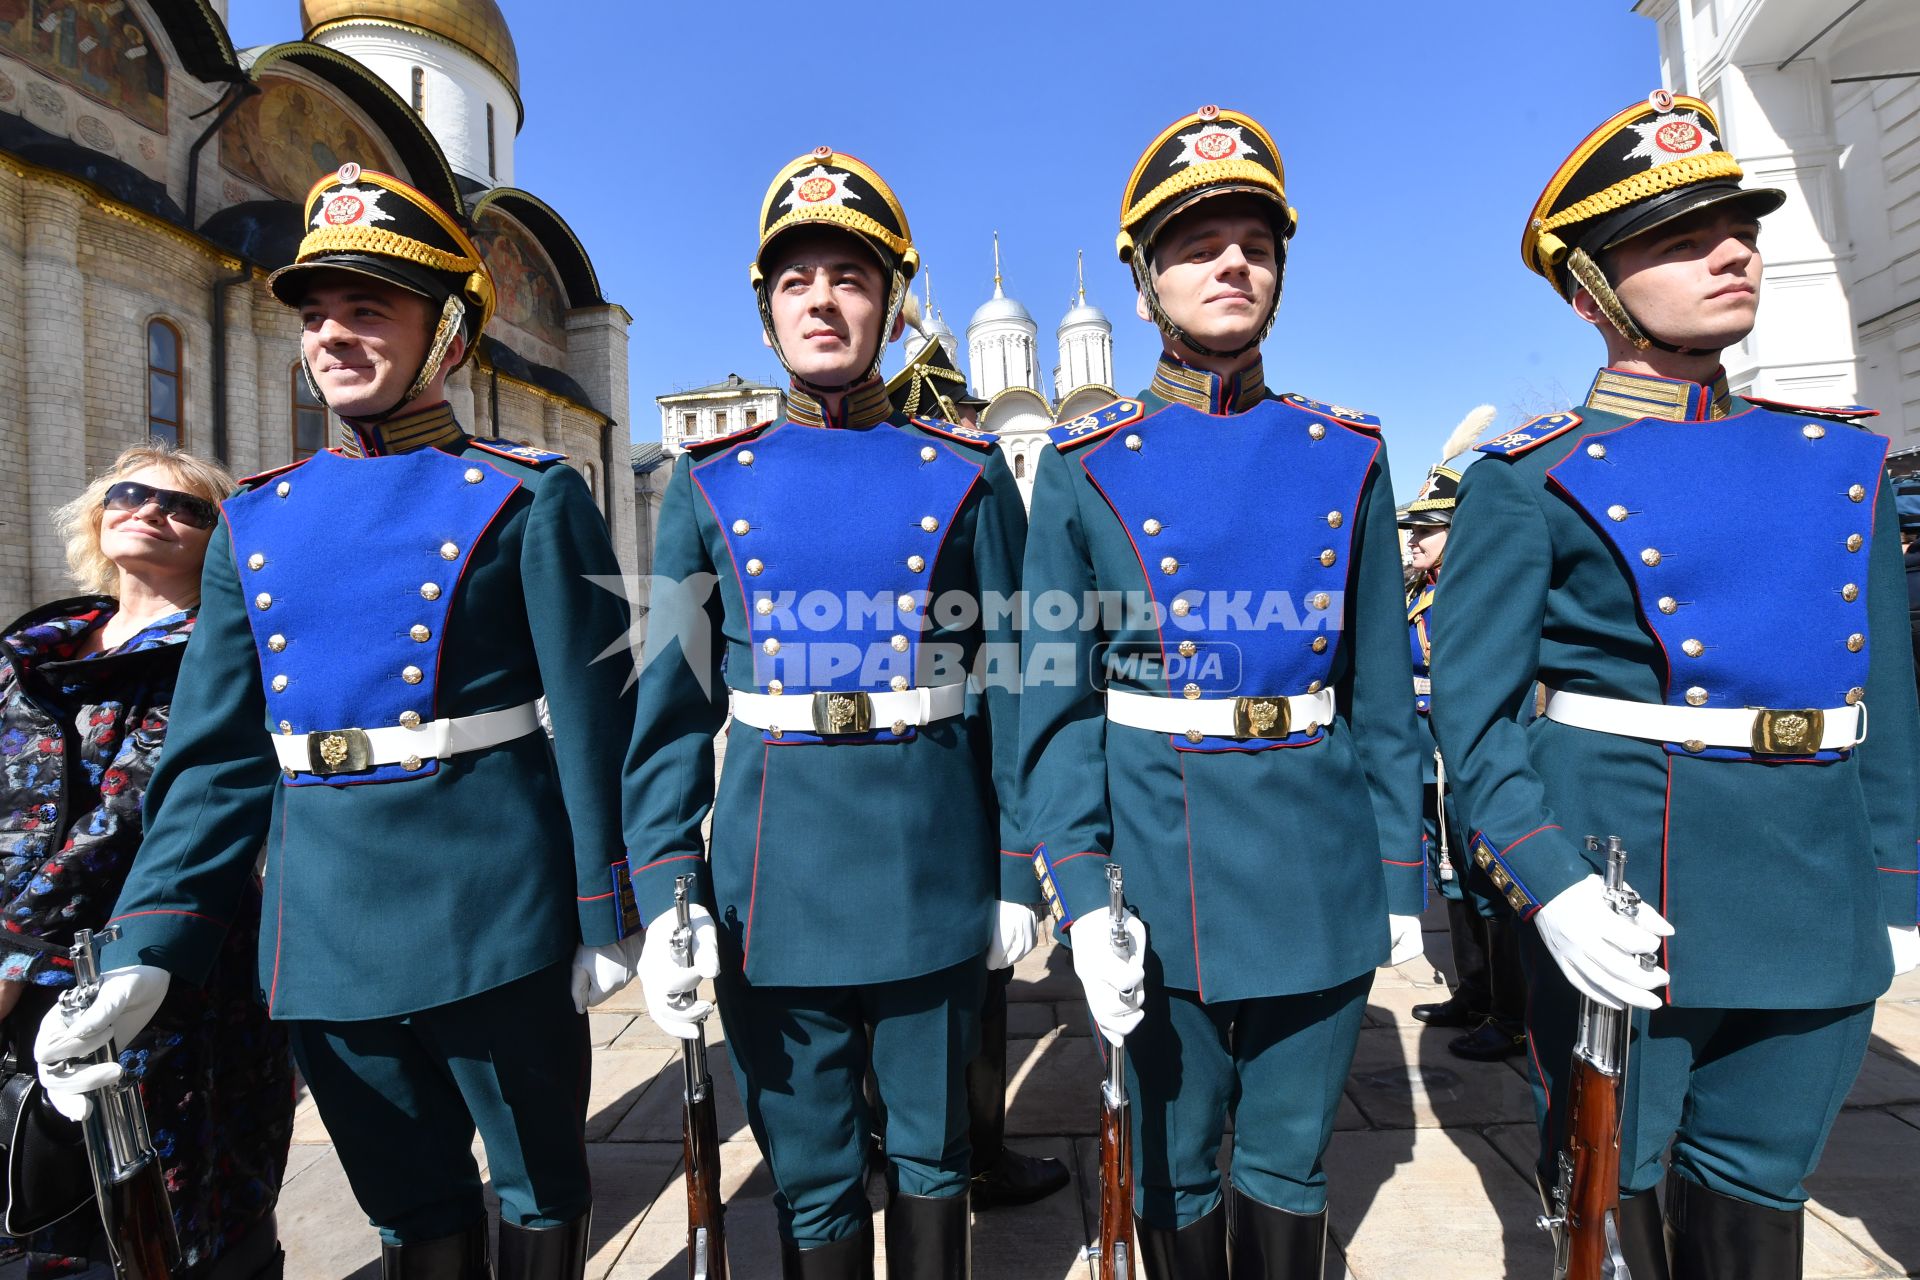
column 1584, row 1207
column 1112, row 1254
column 128, row 1182
column 699, row 1122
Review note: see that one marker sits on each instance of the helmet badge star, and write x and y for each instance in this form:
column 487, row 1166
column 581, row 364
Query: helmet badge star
column 819, row 186
column 1213, row 142
column 1673, row 136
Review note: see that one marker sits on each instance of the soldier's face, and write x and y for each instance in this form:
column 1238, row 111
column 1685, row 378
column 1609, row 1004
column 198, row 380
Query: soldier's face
column 1424, row 545
column 828, row 297
column 365, row 341
column 1694, row 282
column 1215, row 270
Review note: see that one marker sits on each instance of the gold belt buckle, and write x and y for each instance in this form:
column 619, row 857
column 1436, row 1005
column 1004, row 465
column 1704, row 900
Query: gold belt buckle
column 1262, row 717
column 339, row 751
column 842, row 713
column 1787, row 733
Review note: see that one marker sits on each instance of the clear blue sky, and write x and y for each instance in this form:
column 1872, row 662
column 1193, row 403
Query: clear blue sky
column 1416, row 137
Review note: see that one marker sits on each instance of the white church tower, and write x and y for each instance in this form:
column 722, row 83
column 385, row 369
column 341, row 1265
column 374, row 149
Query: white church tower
column 1001, row 342
column 1086, row 343
column 933, row 327
column 453, row 61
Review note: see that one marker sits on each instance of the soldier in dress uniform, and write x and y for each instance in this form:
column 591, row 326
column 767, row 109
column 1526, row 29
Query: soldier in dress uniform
column 1231, row 727
column 1721, row 733
column 445, row 888
column 830, row 579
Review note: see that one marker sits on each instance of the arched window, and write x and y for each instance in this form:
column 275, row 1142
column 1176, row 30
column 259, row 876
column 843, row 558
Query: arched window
column 592, row 478
column 309, row 417
column 1019, row 466
column 419, row 89
column 163, row 382
column 492, row 169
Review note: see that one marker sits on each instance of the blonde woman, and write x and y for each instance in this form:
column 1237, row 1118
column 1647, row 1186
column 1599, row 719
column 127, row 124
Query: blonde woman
column 85, row 687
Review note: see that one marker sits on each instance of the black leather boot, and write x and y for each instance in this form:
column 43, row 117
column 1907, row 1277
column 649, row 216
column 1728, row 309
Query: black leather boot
column 1000, row 1176
column 1272, row 1244
column 1643, row 1241
column 849, row 1258
column 461, row 1256
column 1197, row 1251
column 256, row 1255
column 1716, row 1237
column 929, row 1238
column 545, row 1253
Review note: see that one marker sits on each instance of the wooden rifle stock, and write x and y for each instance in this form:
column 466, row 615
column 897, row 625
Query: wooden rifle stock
column 699, row 1125
column 1113, row 1252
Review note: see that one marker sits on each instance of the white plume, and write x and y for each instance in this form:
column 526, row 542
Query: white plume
column 1468, row 433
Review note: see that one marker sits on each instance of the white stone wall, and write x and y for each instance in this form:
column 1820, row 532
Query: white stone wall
column 715, row 413
column 999, row 357
column 1086, row 356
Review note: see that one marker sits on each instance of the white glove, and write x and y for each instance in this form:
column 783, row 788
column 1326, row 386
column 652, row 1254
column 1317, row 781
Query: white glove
column 1016, row 931
column 125, row 1004
column 662, row 977
column 598, row 972
column 1404, row 940
column 1906, row 949
column 1599, row 950
column 1116, row 985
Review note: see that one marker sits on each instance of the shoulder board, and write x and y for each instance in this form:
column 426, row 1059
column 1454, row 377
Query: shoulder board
column 269, row 474
column 1528, row 435
column 954, row 431
column 1833, row 413
column 1421, row 603
column 1339, row 412
column 702, row 448
column 525, row 454
column 1092, row 426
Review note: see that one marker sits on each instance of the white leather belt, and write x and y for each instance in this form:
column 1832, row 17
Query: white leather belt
column 352, row 750
column 1197, row 718
column 1761, row 730
column 831, row 714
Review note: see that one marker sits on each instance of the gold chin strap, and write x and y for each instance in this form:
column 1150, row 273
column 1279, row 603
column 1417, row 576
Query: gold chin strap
column 452, row 314
column 1587, row 272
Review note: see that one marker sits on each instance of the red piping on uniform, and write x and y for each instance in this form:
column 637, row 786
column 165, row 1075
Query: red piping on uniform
column 739, row 580
column 167, row 911
column 440, row 650
column 1158, row 631
column 1193, row 897
column 596, row 897
column 1898, row 871
column 1551, row 826
column 933, row 567
column 1390, row 862
column 759, row 826
column 1666, row 906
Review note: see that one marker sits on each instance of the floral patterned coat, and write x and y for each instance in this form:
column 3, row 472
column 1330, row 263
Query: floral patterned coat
column 78, row 741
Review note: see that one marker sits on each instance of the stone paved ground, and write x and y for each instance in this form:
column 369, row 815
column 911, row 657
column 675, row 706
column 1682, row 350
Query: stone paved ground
column 1427, row 1166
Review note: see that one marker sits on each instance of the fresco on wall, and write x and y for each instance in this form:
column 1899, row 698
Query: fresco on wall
column 529, row 296
column 289, row 134
column 100, row 48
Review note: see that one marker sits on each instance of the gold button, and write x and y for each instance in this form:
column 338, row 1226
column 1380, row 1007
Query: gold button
column 741, row 526
column 411, row 675
column 929, row 523
column 1856, row 642
column 926, row 453
column 899, row 644
column 1315, row 687
column 1850, row 593
column 1317, row 431
column 1596, row 450
column 754, row 568
column 429, row 591
column 1319, row 600
column 1668, row 604
column 1694, row 745
column 263, row 601
column 898, row 684
column 279, row 683
column 904, row 604
column 449, row 552
column 1650, row 557
column 1313, row 727
column 1194, row 735
column 1169, row 565
column 276, row 643
column 1855, row 542
column 1858, row 493
column 900, row 726
column 409, row 719
column 286, row 727
column 1133, row 442
column 1616, row 512
column 772, row 646
column 1813, row 431
column 763, row 606
column 1335, row 519
column 420, row 633
column 744, row 457
column 410, row 763
column 1191, row 691
column 1152, row 528
column 916, row 563
column 1188, row 648
column 256, row 561
column 474, row 475
column 290, row 774
column 1854, row 695
column 1327, row 557
column 774, row 731
column 1181, row 608
column 1692, row 648
column 1319, row 644
column 1696, row 697
column 776, row 688
column 283, row 488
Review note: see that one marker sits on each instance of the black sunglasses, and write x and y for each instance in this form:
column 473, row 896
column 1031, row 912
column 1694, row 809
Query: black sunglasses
column 131, row 495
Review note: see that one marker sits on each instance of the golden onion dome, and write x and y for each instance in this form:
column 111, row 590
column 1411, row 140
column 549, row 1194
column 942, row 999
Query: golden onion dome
column 475, row 25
